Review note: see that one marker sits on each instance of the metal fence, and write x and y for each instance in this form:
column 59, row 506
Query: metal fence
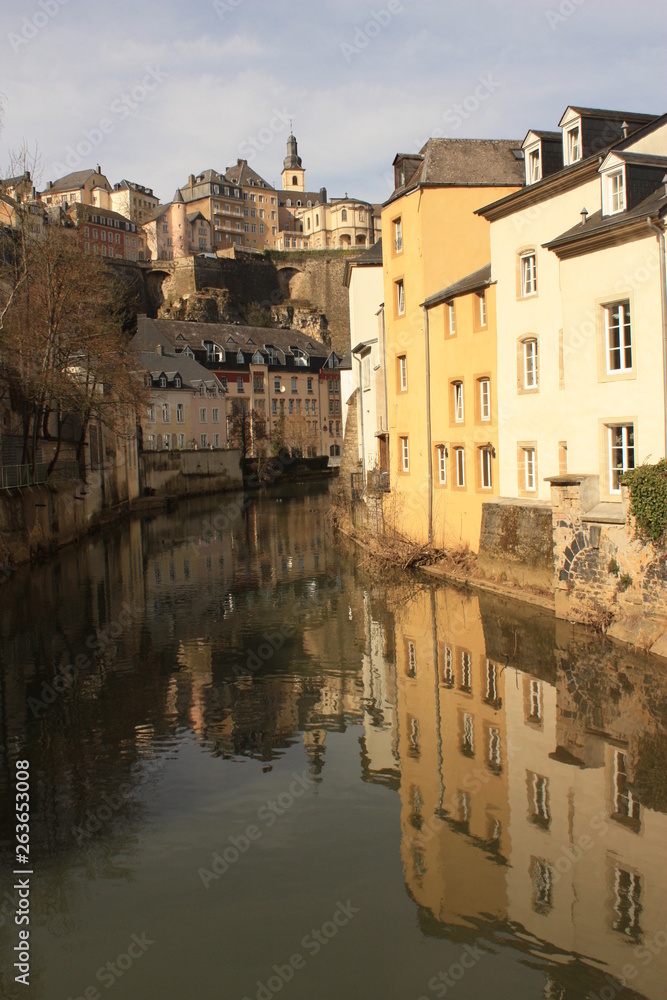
column 16, row 477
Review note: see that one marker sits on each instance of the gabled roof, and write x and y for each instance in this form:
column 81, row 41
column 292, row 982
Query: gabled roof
column 543, row 134
column 170, row 364
column 73, row 182
column 471, row 283
column 242, row 175
column 193, row 216
column 467, row 163
column 231, row 337
column 631, row 117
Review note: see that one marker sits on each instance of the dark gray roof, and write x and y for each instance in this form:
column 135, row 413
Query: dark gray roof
column 242, row 174
column 598, row 223
column 546, row 183
column 471, row 283
column 171, row 364
column 641, row 159
column 543, row 134
column 467, row 163
column 371, row 258
column 232, row 337
column 629, row 116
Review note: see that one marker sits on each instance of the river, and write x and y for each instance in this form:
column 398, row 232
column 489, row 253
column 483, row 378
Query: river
column 257, row 766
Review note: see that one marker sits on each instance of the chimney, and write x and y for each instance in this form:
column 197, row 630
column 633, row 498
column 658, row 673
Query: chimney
column 584, row 216
column 191, row 180
column 625, row 129
column 323, row 195
column 159, row 349
column 99, row 169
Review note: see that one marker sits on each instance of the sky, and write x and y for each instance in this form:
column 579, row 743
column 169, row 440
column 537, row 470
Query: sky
column 154, row 92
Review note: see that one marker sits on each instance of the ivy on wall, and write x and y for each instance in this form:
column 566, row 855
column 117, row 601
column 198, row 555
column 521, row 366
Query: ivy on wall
column 648, row 500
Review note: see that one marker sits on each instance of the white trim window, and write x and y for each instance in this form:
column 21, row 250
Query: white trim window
column 400, row 298
column 180, row 413
column 412, row 660
column 528, row 264
column 166, row 414
column 202, row 415
column 458, row 401
column 618, row 328
column 529, row 470
column 448, row 669
column 621, row 453
column 442, row 464
column 485, row 399
column 616, row 191
column 403, row 372
column 534, row 166
column 485, row 468
column 460, row 466
column 398, row 235
column 452, row 319
column 405, row 454
column 481, row 299
column 151, row 413
column 573, row 144
column 530, row 364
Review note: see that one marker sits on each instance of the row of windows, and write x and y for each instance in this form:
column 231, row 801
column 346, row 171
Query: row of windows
column 484, row 455
column 178, row 441
column 180, row 414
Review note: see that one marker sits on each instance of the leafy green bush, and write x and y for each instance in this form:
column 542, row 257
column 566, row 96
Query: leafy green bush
column 648, row 499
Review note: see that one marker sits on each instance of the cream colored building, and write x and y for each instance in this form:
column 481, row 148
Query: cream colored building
column 365, row 283
column 168, row 232
column 88, row 187
column 134, row 201
column 580, row 324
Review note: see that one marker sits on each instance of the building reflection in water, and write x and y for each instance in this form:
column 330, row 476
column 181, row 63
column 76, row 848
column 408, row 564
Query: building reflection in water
column 519, row 764
column 528, row 760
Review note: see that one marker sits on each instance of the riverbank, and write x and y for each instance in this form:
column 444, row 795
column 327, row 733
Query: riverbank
column 463, row 570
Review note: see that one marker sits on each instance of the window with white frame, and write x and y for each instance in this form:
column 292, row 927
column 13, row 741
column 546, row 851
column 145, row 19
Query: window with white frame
column 442, row 464
column 215, row 415
column 203, row 440
column 181, row 440
column 485, row 399
column 166, row 415
column 405, row 454
column 400, row 298
column 529, row 469
column 528, row 266
column 180, row 413
column 468, row 735
column 627, row 903
column 616, row 191
column 466, row 671
column 398, row 235
column 216, row 440
column 457, row 388
column 151, row 414
column 448, row 668
column 539, row 808
column 452, row 319
column 481, row 305
column 460, row 466
column 403, row 372
column 618, row 329
column 485, row 457
column 202, row 415
column 573, row 144
column 534, row 166
column 621, row 453
column 530, row 374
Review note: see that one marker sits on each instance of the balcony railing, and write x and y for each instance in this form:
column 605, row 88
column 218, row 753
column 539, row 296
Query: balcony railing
column 16, row 477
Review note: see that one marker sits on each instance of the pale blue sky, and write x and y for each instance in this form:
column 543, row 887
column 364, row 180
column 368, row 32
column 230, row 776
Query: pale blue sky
column 362, row 80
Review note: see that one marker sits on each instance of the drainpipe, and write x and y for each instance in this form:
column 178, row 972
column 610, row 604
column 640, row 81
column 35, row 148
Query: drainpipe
column 428, row 425
column 663, row 303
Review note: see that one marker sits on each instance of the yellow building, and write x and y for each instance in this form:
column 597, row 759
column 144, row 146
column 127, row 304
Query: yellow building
column 461, row 326
column 259, row 206
column 433, row 239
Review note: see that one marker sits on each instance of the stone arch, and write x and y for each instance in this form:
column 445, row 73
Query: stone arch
column 291, row 280
column 155, row 280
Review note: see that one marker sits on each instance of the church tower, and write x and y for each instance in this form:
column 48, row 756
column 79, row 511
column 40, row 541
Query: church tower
column 294, row 174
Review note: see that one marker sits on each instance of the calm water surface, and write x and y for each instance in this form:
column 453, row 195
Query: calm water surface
column 276, row 772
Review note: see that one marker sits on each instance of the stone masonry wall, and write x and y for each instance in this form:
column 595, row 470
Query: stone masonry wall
column 516, row 542
column 179, row 473
column 604, row 574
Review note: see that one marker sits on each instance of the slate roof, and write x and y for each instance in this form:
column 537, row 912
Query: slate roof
column 471, row 283
column 629, row 116
column 598, row 223
column 241, row 174
column 232, row 336
column 467, row 163
column 171, row 364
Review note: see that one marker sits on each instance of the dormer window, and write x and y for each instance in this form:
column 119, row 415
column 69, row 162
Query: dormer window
column 163, row 381
column 177, row 382
column 616, row 192
column 239, row 358
column 573, row 144
column 534, row 166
